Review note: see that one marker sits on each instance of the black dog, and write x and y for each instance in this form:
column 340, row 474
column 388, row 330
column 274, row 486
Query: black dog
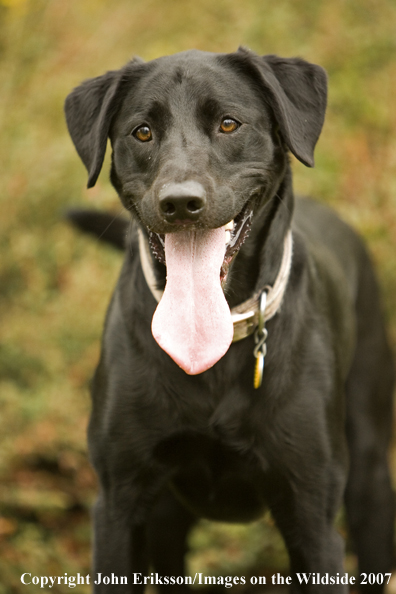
column 193, row 427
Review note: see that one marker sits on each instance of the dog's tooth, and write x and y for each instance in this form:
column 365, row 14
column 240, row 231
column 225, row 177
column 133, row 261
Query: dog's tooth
column 230, row 225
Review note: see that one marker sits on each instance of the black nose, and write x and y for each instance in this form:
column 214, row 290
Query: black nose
column 182, row 202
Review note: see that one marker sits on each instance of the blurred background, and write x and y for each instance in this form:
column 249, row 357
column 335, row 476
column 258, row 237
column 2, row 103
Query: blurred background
column 55, row 284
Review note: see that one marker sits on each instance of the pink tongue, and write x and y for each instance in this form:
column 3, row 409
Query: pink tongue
column 192, row 322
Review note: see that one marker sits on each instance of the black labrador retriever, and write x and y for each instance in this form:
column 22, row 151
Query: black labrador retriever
column 263, row 377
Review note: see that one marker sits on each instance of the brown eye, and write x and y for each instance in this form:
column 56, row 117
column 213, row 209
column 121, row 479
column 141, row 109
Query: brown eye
column 229, row 125
column 143, row 133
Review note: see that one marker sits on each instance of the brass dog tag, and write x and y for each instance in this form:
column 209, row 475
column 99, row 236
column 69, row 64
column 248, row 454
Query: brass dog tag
column 258, row 370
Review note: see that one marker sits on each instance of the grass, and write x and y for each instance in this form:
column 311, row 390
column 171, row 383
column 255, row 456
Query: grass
column 55, row 285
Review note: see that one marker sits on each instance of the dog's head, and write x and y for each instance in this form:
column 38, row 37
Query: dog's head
column 199, row 141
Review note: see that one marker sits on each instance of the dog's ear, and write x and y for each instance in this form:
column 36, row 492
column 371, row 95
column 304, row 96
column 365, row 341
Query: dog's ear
column 297, row 93
column 89, row 111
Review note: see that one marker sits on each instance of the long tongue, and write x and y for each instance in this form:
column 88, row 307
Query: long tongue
column 192, row 322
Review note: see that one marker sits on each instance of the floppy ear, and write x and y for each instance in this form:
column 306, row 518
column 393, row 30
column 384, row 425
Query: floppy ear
column 89, row 111
column 297, row 93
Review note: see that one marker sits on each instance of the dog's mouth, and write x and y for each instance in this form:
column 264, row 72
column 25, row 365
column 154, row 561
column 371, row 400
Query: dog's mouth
column 236, row 232
column 193, row 322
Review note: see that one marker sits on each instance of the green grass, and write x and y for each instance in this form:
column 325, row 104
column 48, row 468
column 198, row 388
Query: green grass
column 55, row 285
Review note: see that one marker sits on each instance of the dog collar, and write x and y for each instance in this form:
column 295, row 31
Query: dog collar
column 249, row 315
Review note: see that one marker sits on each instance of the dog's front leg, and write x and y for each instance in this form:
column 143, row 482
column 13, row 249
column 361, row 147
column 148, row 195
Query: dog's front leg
column 120, row 541
column 304, row 513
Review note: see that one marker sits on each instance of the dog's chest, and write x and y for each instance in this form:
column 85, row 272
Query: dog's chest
column 212, row 479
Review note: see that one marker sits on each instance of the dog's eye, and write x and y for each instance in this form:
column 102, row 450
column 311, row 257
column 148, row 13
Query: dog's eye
column 229, row 125
column 143, row 133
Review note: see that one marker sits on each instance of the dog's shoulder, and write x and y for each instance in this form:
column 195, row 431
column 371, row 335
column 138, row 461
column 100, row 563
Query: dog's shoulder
column 325, row 232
